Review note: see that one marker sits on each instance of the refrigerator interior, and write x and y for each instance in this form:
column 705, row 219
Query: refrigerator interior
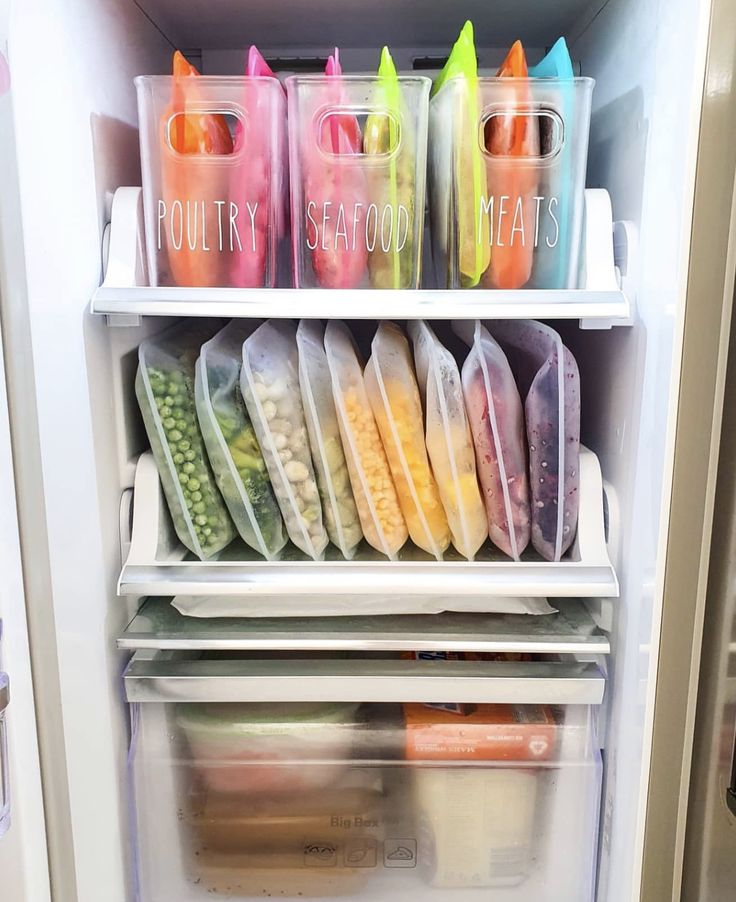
column 73, row 62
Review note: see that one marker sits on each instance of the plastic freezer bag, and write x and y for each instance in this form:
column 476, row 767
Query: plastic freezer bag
column 269, row 381
column 397, row 407
column 338, row 504
column 497, row 424
column 380, row 515
column 449, row 440
column 164, row 387
column 548, row 379
column 231, row 442
column 512, row 142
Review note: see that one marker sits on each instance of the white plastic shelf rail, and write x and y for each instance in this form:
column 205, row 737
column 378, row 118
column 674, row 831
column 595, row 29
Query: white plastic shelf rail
column 156, row 563
column 605, row 300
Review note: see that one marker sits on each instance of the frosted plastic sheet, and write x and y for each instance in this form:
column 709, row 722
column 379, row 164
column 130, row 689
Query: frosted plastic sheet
column 269, row 381
column 394, row 397
column 548, row 378
column 497, row 423
column 449, row 440
column 231, row 442
column 338, row 503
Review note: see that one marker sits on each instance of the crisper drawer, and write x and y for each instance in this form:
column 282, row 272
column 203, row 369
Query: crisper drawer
column 492, row 789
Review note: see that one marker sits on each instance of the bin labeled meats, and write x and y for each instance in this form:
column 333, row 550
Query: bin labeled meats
column 269, row 381
column 164, row 387
column 231, row 442
column 548, row 378
column 497, row 424
column 376, row 497
column 338, row 504
column 449, row 440
column 397, row 407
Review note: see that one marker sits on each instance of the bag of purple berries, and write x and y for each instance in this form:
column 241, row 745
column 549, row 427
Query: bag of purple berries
column 549, row 382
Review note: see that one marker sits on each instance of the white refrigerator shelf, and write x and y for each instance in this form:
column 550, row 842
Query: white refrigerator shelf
column 157, row 564
column 571, row 630
column 604, row 301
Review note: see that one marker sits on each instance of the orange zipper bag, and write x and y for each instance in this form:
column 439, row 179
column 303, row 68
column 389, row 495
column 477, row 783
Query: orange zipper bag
column 188, row 133
column 512, row 141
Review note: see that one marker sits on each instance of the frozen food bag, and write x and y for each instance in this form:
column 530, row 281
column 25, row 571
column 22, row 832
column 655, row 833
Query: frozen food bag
column 261, row 134
column 449, row 440
column 497, row 424
column 269, row 381
column 551, row 264
column 164, row 387
column 380, row 514
column 549, row 381
column 394, row 398
column 190, row 133
column 512, row 141
column 467, row 164
column 332, row 182
column 231, row 443
column 338, row 504
column 393, row 185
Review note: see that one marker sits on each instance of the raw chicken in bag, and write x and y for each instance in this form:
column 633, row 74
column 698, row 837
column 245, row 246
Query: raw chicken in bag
column 231, row 442
column 338, row 504
column 497, row 423
column 397, row 407
column 269, row 381
column 383, row 523
column 449, row 440
column 548, row 378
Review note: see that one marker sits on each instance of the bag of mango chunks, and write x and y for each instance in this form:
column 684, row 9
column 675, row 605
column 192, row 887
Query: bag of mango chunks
column 269, row 382
column 549, row 382
column 512, row 142
column 231, row 443
column 449, row 441
column 187, row 135
column 392, row 185
column 338, row 505
column 497, row 424
column 457, row 156
column 376, row 498
column 394, row 398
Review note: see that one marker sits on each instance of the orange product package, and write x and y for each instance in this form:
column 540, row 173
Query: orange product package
column 482, row 733
column 190, row 133
column 513, row 145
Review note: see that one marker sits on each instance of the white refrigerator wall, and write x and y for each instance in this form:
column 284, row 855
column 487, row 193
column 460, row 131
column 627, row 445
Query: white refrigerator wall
column 72, row 63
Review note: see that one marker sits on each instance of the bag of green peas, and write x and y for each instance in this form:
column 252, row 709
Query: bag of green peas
column 231, row 442
column 164, row 386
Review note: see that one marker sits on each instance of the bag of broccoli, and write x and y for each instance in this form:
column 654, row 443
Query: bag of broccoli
column 231, row 441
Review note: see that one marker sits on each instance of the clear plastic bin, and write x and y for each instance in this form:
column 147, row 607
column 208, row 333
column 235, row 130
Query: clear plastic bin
column 511, row 215
column 213, row 219
column 358, row 158
column 407, row 812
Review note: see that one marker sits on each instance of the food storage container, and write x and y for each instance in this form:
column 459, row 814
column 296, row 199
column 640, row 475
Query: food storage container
column 404, row 813
column 164, row 387
column 507, row 179
column 213, row 159
column 357, row 150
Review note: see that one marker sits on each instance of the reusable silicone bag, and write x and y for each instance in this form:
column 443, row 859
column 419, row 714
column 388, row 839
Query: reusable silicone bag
column 338, row 504
column 394, row 398
column 549, row 381
column 213, row 169
column 512, row 139
column 457, row 170
column 164, row 387
column 231, row 443
column 269, row 381
column 497, row 424
column 380, row 514
column 449, row 440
